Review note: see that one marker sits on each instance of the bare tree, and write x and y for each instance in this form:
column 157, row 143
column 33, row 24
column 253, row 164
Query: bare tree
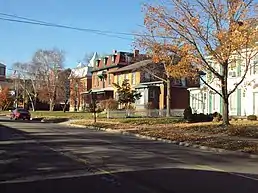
column 87, row 57
column 49, row 65
column 27, row 81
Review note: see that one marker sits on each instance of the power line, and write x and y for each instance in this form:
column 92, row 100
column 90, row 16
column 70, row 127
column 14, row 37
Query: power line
column 35, row 22
column 48, row 24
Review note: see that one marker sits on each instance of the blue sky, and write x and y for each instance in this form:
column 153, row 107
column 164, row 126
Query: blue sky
column 20, row 41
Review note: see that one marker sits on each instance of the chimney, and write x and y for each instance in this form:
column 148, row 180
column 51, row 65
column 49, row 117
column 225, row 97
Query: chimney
column 136, row 53
column 114, row 51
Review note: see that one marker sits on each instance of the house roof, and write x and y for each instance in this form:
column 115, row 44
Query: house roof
column 84, row 70
column 2, row 65
column 134, row 66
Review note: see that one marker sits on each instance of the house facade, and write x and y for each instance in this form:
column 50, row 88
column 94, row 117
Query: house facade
column 153, row 90
column 102, row 76
column 243, row 102
column 81, row 85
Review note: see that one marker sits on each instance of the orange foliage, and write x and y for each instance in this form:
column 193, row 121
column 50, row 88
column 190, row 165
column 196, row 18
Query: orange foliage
column 5, row 98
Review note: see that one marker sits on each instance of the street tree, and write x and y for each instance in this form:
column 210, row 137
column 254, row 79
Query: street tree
column 212, row 36
column 126, row 96
column 48, row 65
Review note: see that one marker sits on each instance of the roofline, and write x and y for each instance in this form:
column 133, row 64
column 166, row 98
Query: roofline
column 108, row 67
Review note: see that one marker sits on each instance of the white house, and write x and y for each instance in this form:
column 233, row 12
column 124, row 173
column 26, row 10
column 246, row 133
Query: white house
column 243, row 102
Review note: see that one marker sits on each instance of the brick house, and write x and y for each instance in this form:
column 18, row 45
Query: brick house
column 152, row 89
column 102, row 76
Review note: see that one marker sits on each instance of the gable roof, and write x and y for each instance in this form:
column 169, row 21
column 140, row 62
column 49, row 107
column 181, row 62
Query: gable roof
column 82, row 70
column 134, row 66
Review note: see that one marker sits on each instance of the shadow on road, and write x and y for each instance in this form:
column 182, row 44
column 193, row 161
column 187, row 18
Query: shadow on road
column 47, row 161
column 159, row 181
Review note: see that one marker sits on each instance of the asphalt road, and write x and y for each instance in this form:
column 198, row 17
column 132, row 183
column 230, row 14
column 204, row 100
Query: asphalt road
column 41, row 157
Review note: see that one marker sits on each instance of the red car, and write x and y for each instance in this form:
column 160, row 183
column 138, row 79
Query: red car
column 20, row 113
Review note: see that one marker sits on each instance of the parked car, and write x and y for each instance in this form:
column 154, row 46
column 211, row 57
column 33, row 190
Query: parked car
column 20, row 113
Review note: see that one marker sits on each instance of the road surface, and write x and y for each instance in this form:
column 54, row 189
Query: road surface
column 43, row 157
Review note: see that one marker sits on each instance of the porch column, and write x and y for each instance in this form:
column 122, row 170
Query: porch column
column 161, row 99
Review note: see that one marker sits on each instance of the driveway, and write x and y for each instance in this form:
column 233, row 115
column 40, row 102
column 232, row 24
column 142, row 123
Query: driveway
column 43, row 157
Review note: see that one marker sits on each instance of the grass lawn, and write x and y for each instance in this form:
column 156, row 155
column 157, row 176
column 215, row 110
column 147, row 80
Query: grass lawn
column 240, row 135
column 58, row 114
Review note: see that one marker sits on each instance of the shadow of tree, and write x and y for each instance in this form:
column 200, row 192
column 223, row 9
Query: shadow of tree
column 75, row 160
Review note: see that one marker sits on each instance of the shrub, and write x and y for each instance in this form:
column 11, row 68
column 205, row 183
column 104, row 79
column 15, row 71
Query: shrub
column 188, row 113
column 195, row 118
column 109, row 104
column 217, row 117
column 252, row 117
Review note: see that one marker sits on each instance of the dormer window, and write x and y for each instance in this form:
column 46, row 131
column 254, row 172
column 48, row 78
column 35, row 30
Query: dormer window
column 105, row 60
column 113, row 58
column 97, row 63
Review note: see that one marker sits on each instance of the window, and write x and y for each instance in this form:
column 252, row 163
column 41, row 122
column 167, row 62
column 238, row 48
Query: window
column 133, row 78
column 178, row 82
column 113, row 58
column 147, row 76
column 195, row 101
column 117, row 79
column 105, row 60
column 152, row 94
column 97, row 63
column 126, row 77
column 97, row 81
column 141, row 100
column 255, row 67
column 109, row 79
column 232, row 103
column 2, row 71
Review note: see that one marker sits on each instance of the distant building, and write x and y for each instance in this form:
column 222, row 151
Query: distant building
column 81, row 85
column 3, row 80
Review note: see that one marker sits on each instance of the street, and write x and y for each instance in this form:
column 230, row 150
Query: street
column 44, row 157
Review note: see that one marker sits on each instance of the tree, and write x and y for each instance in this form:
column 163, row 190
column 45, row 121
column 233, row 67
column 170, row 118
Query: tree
column 5, row 98
column 27, row 80
column 160, row 72
column 87, row 57
column 76, row 87
column 63, row 90
column 48, row 64
column 126, row 96
column 212, row 36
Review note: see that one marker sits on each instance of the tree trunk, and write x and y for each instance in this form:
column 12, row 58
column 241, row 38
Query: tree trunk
column 32, row 104
column 108, row 113
column 35, row 102
column 225, row 115
column 224, row 88
column 51, row 105
column 168, row 97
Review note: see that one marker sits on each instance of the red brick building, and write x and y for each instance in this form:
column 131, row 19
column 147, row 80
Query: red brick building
column 102, row 78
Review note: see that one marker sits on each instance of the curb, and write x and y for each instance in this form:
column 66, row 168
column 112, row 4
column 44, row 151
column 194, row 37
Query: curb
column 180, row 143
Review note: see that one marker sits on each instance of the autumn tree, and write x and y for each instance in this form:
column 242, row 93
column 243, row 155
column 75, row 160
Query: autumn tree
column 212, row 36
column 48, row 64
column 126, row 96
column 5, row 98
